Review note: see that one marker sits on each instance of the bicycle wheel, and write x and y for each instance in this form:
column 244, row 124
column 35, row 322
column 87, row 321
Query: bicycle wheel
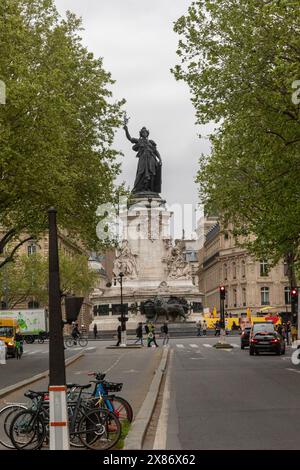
column 27, row 430
column 83, row 342
column 99, row 429
column 74, row 437
column 121, row 408
column 6, row 415
column 69, row 342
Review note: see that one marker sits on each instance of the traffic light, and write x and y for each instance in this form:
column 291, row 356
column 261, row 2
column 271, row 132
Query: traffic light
column 294, row 294
column 222, row 292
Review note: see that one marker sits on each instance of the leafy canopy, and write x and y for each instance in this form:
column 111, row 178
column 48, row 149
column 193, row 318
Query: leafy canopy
column 57, row 127
column 240, row 60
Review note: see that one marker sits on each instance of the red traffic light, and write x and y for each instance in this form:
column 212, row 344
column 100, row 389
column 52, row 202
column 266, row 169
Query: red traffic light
column 222, row 292
column 294, row 292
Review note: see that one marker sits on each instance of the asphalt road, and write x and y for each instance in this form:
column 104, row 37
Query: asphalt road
column 217, row 399
column 34, row 360
column 135, row 368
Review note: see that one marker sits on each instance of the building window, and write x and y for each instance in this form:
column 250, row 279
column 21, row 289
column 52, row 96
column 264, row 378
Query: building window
column 234, row 270
column 100, row 310
column 287, row 295
column 244, row 295
column 243, row 269
column 116, row 309
column 265, row 296
column 191, row 256
column 264, row 268
column 225, row 272
column 31, row 249
column 33, row 304
column 234, row 297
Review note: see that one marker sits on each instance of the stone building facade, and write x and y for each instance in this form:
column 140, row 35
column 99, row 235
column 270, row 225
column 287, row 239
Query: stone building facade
column 248, row 282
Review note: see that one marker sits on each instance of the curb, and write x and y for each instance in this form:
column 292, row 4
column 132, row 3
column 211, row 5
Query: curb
column 123, row 348
column 35, row 378
column 135, row 438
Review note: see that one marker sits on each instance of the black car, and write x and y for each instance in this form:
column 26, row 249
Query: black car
column 245, row 337
column 264, row 341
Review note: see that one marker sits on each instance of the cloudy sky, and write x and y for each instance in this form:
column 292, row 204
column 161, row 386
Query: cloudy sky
column 138, row 45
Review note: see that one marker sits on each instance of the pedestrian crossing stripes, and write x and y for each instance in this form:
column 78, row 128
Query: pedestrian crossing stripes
column 193, row 346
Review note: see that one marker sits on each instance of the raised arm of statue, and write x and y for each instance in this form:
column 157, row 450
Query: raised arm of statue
column 131, row 139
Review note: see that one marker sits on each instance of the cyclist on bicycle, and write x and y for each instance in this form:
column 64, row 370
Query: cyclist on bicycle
column 75, row 333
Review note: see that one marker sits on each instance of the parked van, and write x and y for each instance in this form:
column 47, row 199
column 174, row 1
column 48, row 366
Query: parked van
column 8, row 329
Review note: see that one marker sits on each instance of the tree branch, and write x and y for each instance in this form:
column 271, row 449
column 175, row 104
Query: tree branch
column 10, row 257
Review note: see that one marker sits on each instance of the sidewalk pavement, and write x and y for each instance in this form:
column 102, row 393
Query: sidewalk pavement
column 136, row 369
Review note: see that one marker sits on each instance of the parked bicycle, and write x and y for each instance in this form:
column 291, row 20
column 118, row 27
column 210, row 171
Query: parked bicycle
column 95, row 417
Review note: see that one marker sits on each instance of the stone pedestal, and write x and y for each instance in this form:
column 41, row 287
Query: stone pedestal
column 152, row 266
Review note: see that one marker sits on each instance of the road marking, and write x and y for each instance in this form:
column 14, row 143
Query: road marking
column 194, row 345
column 90, row 348
column 160, row 441
column 207, row 345
column 294, row 370
column 114, row 364
column 234, row 345
column 180, row 346
column 32, row 352
column 45, row 352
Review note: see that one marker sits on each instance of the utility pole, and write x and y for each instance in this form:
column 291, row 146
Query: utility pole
column 222, row 310
column 59, row 433
column 123, row 319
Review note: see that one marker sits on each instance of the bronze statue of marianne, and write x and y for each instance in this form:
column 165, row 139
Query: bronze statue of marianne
column 148, row 175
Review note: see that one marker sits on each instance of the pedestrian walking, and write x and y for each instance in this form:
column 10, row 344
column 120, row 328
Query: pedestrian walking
column 119, row 331
column 139, row 334
column 151, row 335
column 165, row 333
column 294, row 333
column 204, row 328
column 279, row 329
column 198, row 326
column 288, row 332
column 95, row 329
column 217, row 329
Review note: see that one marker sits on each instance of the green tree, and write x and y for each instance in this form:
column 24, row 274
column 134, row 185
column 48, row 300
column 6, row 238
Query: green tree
column 26, row 278
column 241, row 61
column 56, row 129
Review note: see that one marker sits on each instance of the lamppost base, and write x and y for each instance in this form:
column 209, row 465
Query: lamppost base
column 123, row 339
column 222, row 343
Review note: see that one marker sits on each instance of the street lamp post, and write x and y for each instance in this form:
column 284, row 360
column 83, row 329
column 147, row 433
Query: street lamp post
column 123, row 318
column 59, row 434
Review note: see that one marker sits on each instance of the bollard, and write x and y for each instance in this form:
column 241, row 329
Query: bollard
column 2, row 352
